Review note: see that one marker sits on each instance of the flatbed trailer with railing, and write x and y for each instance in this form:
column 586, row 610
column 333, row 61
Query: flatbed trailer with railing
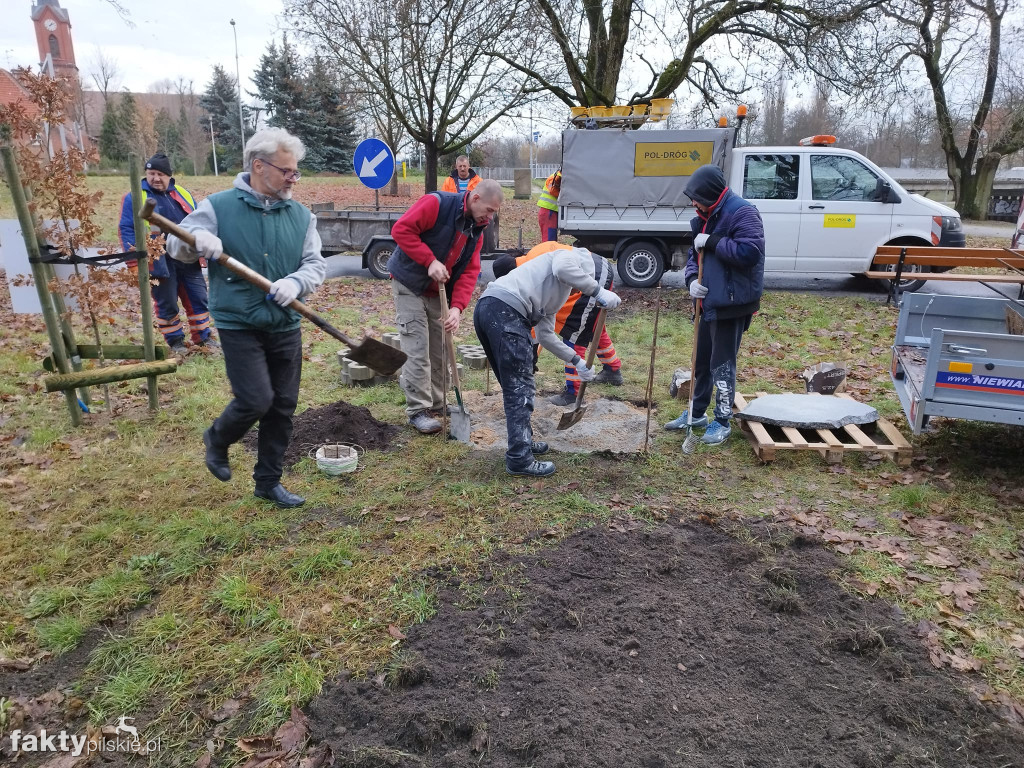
column 959, row 357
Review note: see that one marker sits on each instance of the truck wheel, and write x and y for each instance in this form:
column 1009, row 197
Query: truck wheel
column 641, row 264
column 377, row 259
column 907, row 285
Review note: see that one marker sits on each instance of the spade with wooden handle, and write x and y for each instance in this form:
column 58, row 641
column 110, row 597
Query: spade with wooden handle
column 369, row 352
column 571, row 417
column 460, row 427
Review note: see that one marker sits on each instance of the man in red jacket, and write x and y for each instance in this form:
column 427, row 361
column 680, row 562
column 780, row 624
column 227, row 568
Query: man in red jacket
column 438, row 242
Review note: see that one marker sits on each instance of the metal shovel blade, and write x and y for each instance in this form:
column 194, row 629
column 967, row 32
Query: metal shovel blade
column 458, row 424
column 571, row 417
column 377, row 355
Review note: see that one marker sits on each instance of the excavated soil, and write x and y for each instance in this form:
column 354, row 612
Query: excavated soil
column 612, row 426
column 679, row 646
column 337, row 422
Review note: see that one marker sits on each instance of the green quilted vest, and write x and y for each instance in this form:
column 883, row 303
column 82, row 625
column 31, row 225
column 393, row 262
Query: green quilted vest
column 268, row 241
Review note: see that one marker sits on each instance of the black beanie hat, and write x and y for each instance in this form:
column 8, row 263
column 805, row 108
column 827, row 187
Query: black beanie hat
column 503, row 265
column 159, row 162
column 706, row 185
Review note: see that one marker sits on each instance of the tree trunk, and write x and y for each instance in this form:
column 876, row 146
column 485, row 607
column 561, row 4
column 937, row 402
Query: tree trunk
column 430, row 167
column 976, row 188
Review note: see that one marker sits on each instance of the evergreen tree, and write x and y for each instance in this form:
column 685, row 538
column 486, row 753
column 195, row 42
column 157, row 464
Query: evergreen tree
column 120, row 128
column 168, row 137
column 221, row 101
column 279, row 83
column 304, row 98
column 328, row 128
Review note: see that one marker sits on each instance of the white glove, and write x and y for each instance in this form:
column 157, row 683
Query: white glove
column 697, row 290
column 700, row 240
column 608, row 299
column 284, row 291
column 585, row 374
column 208, row 245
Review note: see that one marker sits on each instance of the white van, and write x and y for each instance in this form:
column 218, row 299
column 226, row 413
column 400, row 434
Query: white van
column 825, row 209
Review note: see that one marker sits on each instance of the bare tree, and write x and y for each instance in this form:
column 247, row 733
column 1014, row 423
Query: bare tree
column 106, row 74
column 594, row 37
column 959, row 47
column 193, row 136
column 428, row 63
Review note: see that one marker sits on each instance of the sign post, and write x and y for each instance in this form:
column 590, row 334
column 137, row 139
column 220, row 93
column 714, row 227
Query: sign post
column 374, row 164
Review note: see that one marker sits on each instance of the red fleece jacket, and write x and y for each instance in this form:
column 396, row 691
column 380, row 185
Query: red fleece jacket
column 421, row 217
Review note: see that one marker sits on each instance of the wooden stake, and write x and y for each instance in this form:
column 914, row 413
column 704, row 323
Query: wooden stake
column 145, row 294
column 28, row 232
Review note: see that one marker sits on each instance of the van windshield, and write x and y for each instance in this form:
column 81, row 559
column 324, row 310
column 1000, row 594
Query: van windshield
column 837, row 177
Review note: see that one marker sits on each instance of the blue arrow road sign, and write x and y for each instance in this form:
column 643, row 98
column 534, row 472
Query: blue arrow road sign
column 374, row 163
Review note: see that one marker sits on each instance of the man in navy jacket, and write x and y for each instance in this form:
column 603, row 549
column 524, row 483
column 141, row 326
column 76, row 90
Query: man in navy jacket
column 173, row 280
column 729, row 236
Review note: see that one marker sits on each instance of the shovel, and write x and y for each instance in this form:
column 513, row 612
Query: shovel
column 372, row 353
column 571, row 417
column 692, row 439
column 460, row 428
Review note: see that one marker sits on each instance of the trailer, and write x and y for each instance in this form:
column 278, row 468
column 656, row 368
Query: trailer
column 955, row 356
column 367, row 230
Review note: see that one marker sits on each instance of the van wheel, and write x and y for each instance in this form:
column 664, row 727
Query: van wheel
column 641, row 264
column 377, row 259
column 907, row 285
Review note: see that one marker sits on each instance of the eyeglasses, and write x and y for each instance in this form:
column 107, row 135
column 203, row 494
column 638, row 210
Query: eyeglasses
column 288, row 175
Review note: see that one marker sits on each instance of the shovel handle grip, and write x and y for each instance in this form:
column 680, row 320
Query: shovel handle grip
column 448, row 340
column 234, row 265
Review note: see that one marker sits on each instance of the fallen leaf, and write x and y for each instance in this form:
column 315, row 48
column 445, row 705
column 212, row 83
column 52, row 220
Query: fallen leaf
column 395, row 632
column 403, row 519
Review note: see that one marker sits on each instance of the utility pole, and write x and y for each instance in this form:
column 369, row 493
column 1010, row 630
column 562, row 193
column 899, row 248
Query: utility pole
column 238, row 77
column 213, row 145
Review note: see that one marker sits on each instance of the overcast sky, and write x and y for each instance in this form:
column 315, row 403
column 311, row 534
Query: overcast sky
column 181, row 38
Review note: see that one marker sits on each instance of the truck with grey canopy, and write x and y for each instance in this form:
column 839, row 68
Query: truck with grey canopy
column 959, row 357
column 367, row 231
column 825, row 209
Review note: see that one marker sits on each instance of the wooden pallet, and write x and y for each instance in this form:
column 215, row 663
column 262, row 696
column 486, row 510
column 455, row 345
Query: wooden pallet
column 880, row 437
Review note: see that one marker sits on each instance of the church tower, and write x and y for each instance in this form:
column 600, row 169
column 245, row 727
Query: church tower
column 53, row 35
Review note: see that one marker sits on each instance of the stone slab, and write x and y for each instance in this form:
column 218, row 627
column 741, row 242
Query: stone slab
column 808, row 411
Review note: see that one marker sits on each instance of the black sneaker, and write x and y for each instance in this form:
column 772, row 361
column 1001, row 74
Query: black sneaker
column 210, row 345
column 535, row 469
column 563, row 399
column 538, row 448
column 178, row 349
column 281, row 496
column 608, row 376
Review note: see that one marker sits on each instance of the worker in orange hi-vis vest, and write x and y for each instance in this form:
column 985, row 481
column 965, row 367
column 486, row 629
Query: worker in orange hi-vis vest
column 575, row 322
column 547, row 207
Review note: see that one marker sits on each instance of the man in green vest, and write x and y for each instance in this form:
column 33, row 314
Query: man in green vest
column 259, row 224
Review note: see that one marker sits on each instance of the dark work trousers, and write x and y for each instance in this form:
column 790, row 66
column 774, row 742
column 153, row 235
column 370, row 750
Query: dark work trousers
column 264, row 370
column 718, row 343
column 186, row 282
column 505, row 337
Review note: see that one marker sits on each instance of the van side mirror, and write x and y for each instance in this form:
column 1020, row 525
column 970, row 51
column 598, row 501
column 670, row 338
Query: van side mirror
column 884, row 193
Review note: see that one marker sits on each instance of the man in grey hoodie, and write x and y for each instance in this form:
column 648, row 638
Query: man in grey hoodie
column 530, row 297
column 259, row 224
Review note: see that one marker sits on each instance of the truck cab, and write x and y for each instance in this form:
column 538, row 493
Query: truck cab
column 825, row 209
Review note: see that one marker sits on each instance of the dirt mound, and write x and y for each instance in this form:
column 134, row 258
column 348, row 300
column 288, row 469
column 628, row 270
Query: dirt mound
column 676, row 647
column 337, row 422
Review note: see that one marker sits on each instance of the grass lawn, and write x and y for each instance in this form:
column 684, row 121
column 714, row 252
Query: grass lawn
column 208, row 613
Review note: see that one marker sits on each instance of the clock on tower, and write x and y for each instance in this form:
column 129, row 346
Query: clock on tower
column 53, row 36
